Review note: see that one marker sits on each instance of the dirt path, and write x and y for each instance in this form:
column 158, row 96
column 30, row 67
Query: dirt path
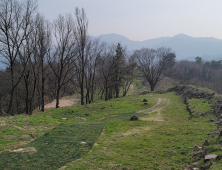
column 63, row 102
column 159, row 109
column 158, row 103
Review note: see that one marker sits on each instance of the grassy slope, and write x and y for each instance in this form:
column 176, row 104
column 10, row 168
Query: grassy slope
column 156, row 144
column 157, row 141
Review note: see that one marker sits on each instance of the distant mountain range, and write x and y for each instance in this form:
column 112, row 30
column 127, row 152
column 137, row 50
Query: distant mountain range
column 185, row 47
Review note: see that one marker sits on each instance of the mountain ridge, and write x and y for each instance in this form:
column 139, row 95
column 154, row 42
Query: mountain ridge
column 185, row 46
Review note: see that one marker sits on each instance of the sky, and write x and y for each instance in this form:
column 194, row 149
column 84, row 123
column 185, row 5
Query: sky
column 141, row 20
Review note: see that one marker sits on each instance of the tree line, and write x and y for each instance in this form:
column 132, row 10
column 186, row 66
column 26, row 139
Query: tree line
column 46, row 60
column 200, row 73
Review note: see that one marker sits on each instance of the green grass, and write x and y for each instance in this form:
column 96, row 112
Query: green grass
column 55, row 148
column 199, row 106
column 160, row 140
column 156, row 144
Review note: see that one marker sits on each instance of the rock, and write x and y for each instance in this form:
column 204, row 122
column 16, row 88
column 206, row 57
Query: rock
column 30, row 149
column 32, row 135
column 81, row 118
column 208, row 157
column 195, row 168
column 206, row 143
column 83, row 143
column 145, row 100
column 134, row 118
column 212, row 120
column 64, row 118
column 18, row 150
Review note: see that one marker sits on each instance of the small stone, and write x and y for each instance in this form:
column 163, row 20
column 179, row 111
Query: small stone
column 18, row 150
column 83, row 143
column 195, row 168
column 31, row 149
column 64, row 118
column 134, row 118
column 145, row 103
column 81, row 118
column 208, row 157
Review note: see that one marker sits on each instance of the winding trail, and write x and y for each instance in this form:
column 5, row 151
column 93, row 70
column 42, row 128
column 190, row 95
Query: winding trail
column 157, row 109
column 158, row 103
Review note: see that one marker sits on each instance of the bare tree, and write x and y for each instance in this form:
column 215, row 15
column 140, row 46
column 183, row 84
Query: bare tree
column 43, row 47
column 81, row 37
column 153, row 63
column 92, row 68
column 15, row 27
column 63, row 53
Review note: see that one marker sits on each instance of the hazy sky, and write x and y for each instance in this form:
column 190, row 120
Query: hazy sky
column 144, row 19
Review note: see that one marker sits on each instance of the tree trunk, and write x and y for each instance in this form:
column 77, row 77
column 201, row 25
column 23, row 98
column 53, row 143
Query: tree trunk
column 152, row 86
column 11, row 93
column 43, row 86
column 43, row 95
column 57, row 97
column 27, row 96
column 117, row 91
column 82, row 84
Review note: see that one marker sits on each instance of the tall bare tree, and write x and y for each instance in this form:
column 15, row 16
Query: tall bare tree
column 81, row 37
column 63, row 54
column 43, row 47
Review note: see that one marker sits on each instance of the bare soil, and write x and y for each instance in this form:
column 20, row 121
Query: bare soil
column 63, row 102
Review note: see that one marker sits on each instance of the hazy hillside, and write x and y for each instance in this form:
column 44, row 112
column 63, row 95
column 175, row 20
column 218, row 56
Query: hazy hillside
column 186, row 47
